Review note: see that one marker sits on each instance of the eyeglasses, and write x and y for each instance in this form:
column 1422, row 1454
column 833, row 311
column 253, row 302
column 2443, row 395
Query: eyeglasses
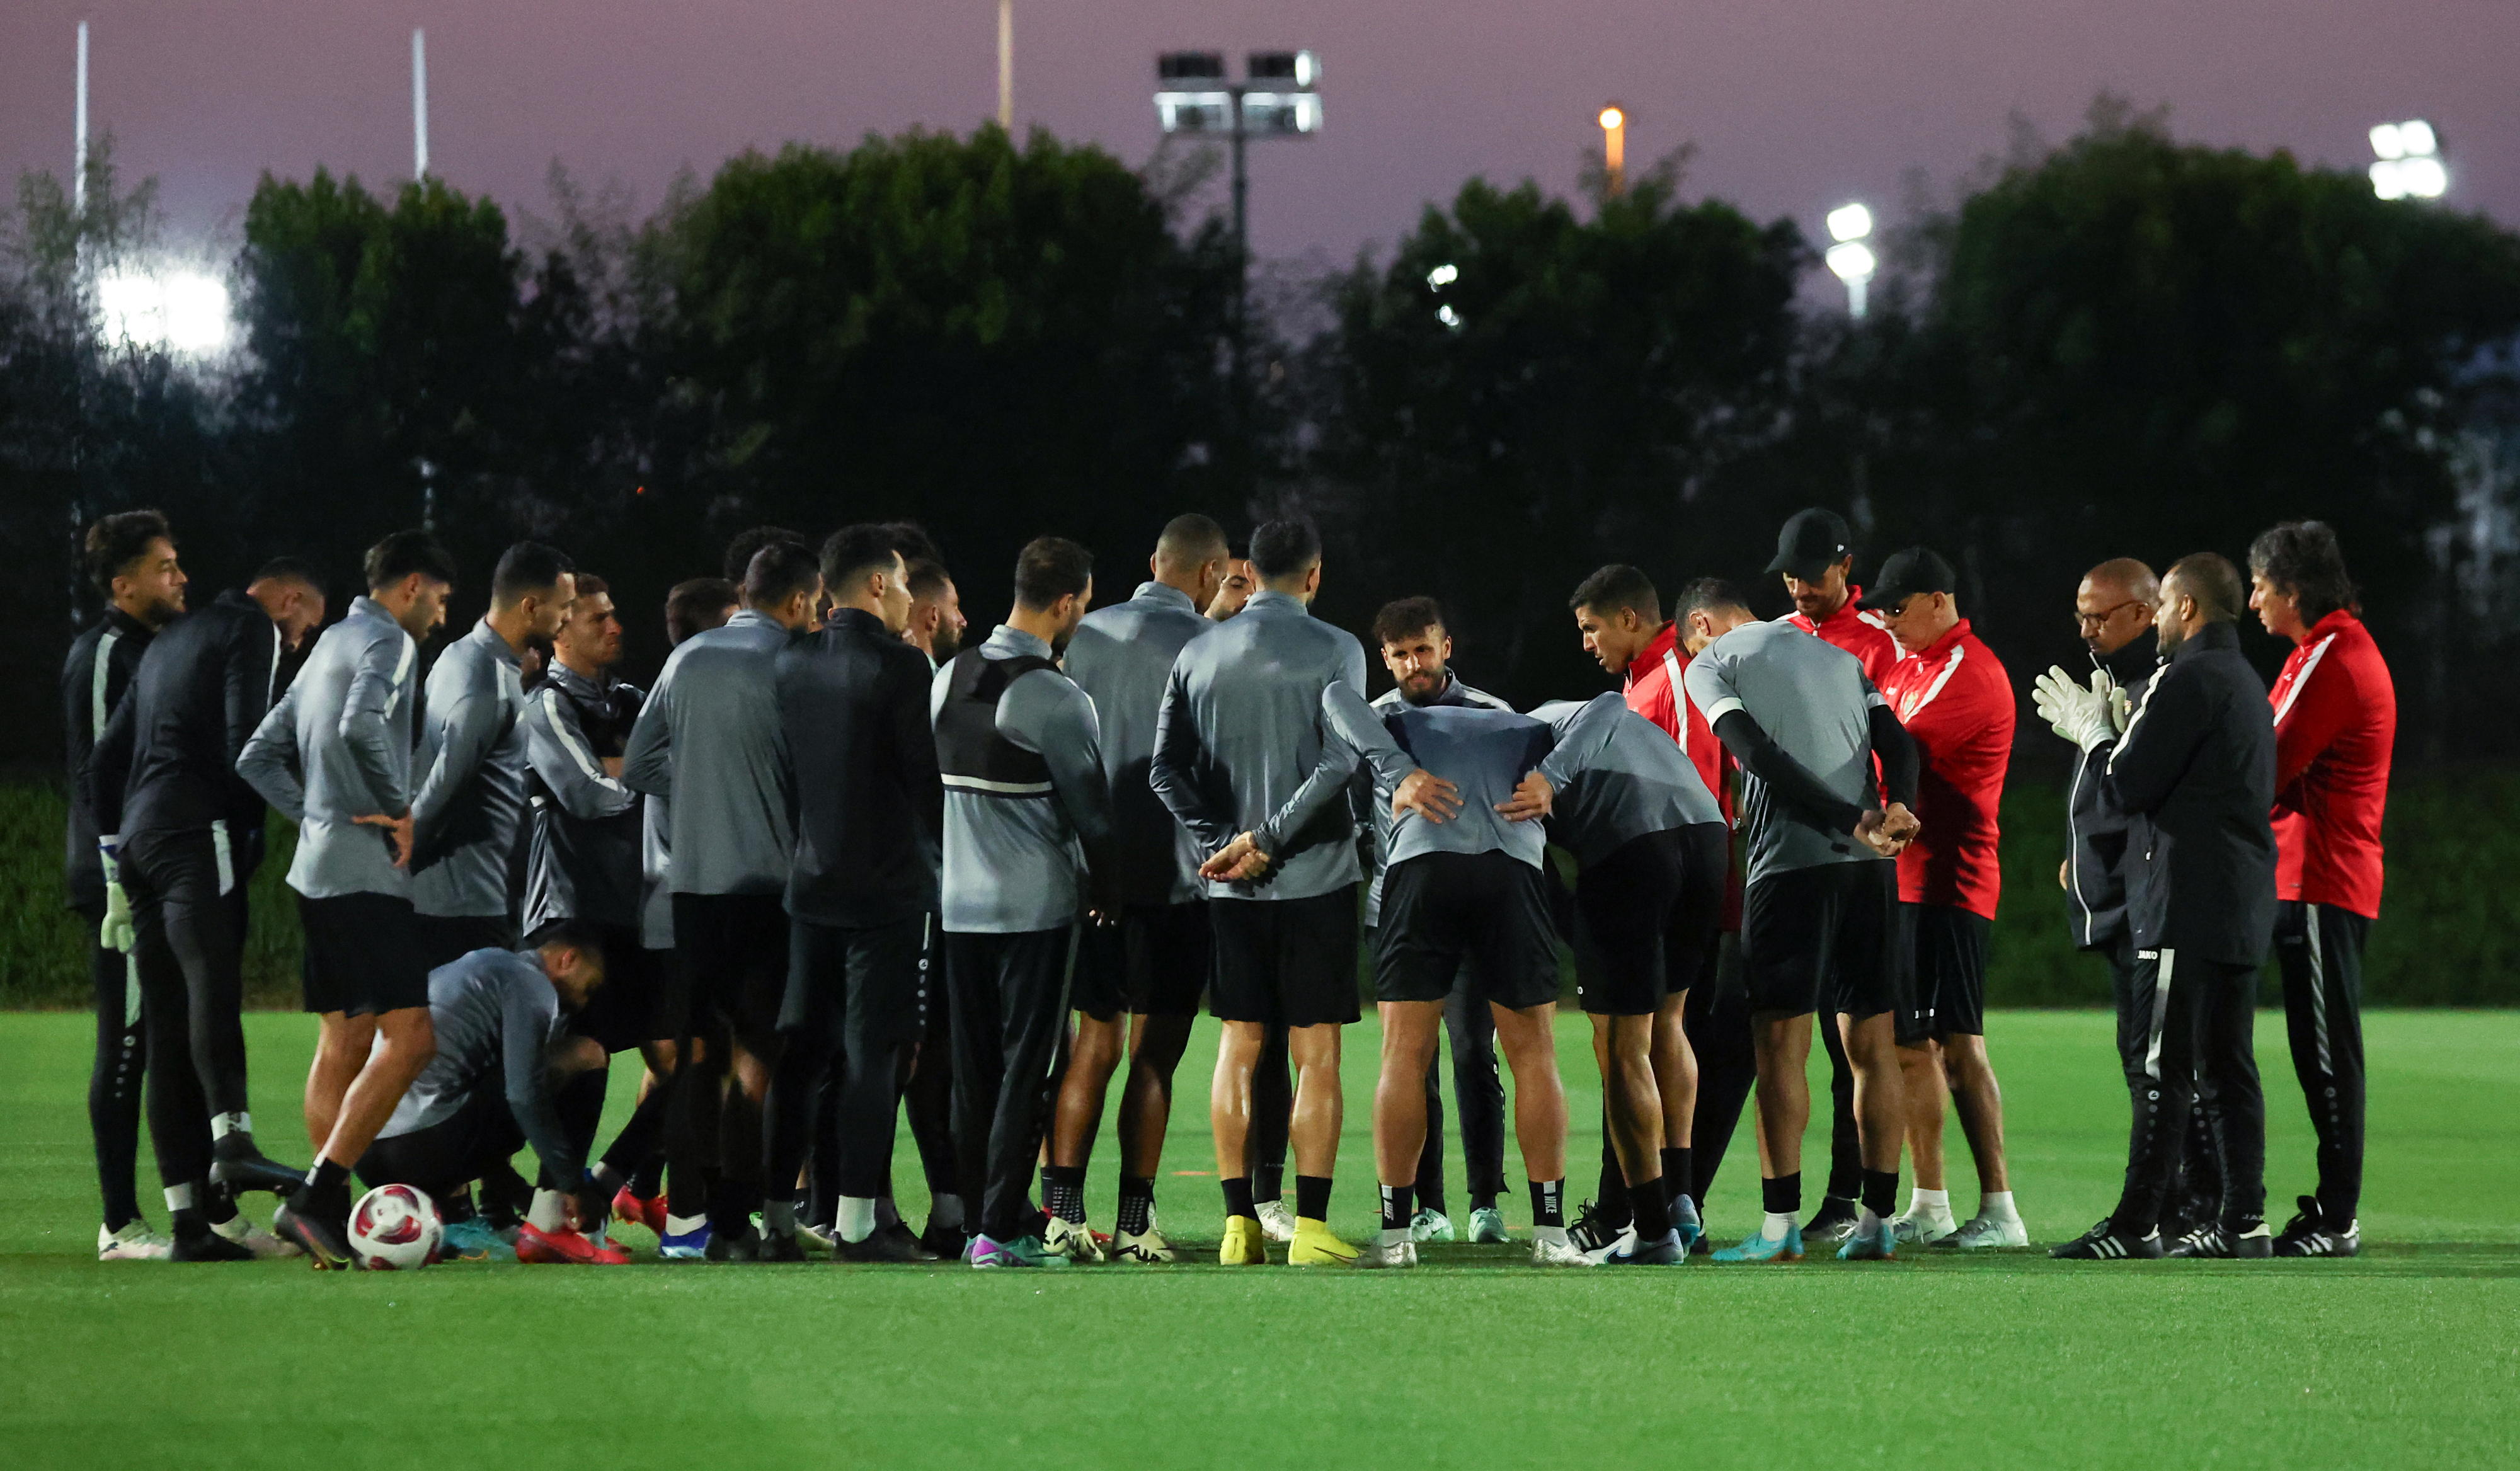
column 2094, row 620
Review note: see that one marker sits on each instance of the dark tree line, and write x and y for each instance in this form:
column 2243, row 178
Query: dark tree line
column 2124, row 345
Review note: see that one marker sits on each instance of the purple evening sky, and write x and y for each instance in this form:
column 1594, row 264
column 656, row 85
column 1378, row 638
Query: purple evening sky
column 1795, row 105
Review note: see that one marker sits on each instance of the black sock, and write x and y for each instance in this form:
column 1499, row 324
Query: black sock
column 1653, row 1214
column 1238, row 1197
column 1881, row 1192
column 1062, row 1191
column 1313, row 1197
column 1548, row 1202
column 1137, row 1204
column 190, row 1225
column 330, row 1177
column 1782, row 1195
column 326, row 1192
column 218, row 1206
column 1483, row 1200
column 729, row 1206
column 648, row 1177
column 1268, row 1182
column 687, row 1197
column 1612, row 1204
column 1676, row 1179
column 1399, row 1207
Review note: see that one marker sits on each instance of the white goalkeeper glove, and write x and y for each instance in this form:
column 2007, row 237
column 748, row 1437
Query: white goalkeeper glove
column 117, row 933
column 2080, row 715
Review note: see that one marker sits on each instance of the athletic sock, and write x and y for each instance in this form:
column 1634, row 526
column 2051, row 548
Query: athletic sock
column 1677, row 1180
column 1997, row 1205
column 326, row 1193
column 1399, row 1207
column 1653, row 1215
column 1782, row 1194
column 1267, row 1182
column 1881, row 1192
column 224, row 1123
column 189, row 1223
column 218, row 1206
column 1238, row 1197
column 182, row 1197
column 730, row 1207
column 683, row 1225
column 1137, row 1204
column 548, row 1214
column 886, row 1214
column 1610, row 1202
column 1313, row 1197
column 648, row 1177
column 853, row 1216
column 1062, row 1191
column 609, row 1180
column 1548, row 1202
column 945, row 1211
column 1933, row 1204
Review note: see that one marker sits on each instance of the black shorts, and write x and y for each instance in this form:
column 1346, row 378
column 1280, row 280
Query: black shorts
column 1946, row 948
column 865, row 979
column 1153, row 962
column 1647, row 919
column 444, row 938
column 1288, row 963
column 1823, row 935
column 734, row 970
column 363, row 956
column 628, row 1010
column 1440, row 910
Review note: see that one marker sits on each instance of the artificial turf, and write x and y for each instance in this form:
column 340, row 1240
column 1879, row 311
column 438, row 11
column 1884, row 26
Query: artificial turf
column 2403, row 1357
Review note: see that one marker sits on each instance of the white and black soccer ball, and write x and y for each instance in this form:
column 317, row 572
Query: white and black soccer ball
column 395, row 1229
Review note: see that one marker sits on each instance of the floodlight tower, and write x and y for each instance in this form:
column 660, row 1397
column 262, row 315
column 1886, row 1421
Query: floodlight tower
column 1850, row 259
column 1614, row 148
column 2409, row 163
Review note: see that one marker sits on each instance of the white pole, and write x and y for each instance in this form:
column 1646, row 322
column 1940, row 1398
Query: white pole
column 79, row 167
column 418, row 104
column 1007, row 64
column 1857, row 296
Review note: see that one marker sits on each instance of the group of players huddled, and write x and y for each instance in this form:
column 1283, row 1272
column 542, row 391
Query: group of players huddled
column 836, row 867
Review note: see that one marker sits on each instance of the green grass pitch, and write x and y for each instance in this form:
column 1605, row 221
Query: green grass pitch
column 2404, row 1357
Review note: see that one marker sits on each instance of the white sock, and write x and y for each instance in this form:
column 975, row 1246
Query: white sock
column 1865, row 1222
column 683, row 1225
column 886, row 1214
column 224, row 1123
column 547, row 1212
column 1774, row 1228
column 946, row 1211
column 1924, row 1202
column 856, row 1217
column 1997, row 1205
column 1556, row 1233
column 180, row 1197
column 1392, row 1237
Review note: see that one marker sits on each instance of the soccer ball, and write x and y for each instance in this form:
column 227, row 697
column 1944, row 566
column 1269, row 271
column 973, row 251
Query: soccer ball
column 394, row 1228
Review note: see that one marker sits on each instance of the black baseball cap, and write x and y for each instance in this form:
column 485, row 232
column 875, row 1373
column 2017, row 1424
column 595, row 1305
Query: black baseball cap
column 1813, row 542
column 1918, row 569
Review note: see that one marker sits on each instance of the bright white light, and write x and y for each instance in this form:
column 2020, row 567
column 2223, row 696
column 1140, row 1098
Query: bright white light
column 1850, row 222
column 2387, row 143
column 2416, row 135
column 2385, row 181
column 184, row 311
column 1612, row 119
column 1442, row 276
column 2423, row 177
column 1308, row 69
column 1851, row 260
column 1449, row 317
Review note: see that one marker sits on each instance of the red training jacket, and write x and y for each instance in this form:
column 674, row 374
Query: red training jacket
column 1654, row 689
column 2336, row 718
column 1859, row 633
column 1957, row 702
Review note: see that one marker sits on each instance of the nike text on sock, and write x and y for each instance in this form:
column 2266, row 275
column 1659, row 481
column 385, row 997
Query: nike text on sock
column 180, row 1197
column 548, row 1211
column 1399, row 1206
column 224, row 1123
column 856, row 1215
column 1548, row 1202
column 1777, row 1224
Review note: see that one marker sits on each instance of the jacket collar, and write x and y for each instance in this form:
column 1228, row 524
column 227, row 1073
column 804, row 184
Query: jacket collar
column 123, row 623
column 1941, row 647
column 2135, row 659
column 365, row 606
column 1850, row 609
column 1165, row 594
column 575, row 683
column 1667, row 641
column 1283, row 605
column 858, row 620
column 1008, row 642
column 2335, row 622
column 497, row 648
column 2213, row 635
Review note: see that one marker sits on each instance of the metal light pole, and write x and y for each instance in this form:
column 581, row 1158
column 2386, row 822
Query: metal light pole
column 78, row 398
column 1614, row 148
column 418, row 104
column 78, row 132
column 1006, row 66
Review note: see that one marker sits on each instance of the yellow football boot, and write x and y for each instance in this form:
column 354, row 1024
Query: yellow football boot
column 1315, row 1246
column 1243, row 1245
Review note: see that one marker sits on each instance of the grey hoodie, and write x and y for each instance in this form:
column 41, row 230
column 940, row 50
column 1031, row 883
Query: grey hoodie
column 337, row 747
column 1122, row 656
column 471, row 791
column 1618, row 776
column 710, row 741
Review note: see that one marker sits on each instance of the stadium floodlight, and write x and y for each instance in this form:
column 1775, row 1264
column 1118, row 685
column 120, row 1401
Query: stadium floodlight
column 1851, row 260
column 1449, row 317
column 178, row 311
column 2409, row 164
column 1614, row 146
column 1442, row 276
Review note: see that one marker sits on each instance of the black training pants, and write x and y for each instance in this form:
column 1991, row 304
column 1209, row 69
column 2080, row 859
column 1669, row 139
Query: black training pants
column 114, row 1093
column 2320, row 949
column 733, row 971
column 452, row 1153
column 851, row 1009
column 1010, row 1010
column 2183, row 1033
column 1469, row 1028
column 1717, row 1020
column 188, row 906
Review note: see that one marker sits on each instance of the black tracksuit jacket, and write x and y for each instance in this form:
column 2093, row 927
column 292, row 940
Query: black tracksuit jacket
column 166, row 762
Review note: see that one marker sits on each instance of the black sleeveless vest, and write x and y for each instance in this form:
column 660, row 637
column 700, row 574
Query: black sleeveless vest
column 971, row 754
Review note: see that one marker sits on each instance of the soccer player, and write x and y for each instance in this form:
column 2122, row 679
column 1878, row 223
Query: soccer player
column 582, row 864
column 471, row 801
column 1028, row 852
column 937, row 621
column 504, row 1055
column 1807, row 727
column 2193, row 766
column 130, row 559
column 1233, row 592
column 861, row 759
column 1955, row 702
column 1654, row 854
column 2336, row 720
column 1459, row 878
column 190, row 838
column 1418, row 650
column 1815, row 557
column 1242, row 761
column 712, row 743
column 1137, row 982
column 335, row 756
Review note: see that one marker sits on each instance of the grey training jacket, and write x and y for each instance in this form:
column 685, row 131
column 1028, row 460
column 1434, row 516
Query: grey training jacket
column 1241, row 747
column 497, row 1018
column 1122, row 656
column 1482, row 752
column 583, row 858
column 471, row 801
column 1376, row 796
column 710, row 741
column 1016, row 864
column 337, row 747
column 1618, row 776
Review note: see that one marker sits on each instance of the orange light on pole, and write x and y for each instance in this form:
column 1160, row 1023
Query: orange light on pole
column 1614, row 146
